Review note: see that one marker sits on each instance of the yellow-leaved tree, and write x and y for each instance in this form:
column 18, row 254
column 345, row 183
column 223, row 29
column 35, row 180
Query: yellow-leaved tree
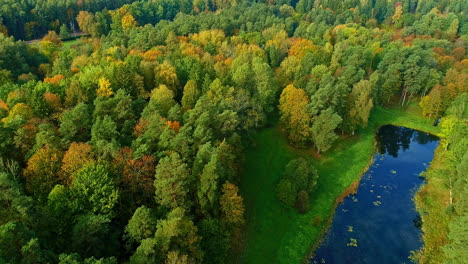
column 104, row 89
column 128, row 22
column 294, row 116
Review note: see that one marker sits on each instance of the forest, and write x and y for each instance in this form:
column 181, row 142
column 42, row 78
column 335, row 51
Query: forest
column 127, row 144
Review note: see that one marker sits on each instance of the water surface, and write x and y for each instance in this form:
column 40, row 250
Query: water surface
column 379, row 224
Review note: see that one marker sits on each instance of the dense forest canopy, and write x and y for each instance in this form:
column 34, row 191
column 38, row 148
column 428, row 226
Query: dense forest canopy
column 127, row 145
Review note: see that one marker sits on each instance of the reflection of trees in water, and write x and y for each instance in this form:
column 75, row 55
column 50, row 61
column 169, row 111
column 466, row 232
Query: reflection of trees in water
column 424, row 138
column 392, row 139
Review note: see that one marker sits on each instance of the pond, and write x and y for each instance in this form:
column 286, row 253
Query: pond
column 379, row 224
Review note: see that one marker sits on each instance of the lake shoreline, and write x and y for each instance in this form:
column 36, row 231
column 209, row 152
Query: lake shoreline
column 353, row 187
column 297, row 235
column 333, row 225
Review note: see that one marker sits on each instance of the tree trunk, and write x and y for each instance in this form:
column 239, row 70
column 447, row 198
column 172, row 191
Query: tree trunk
column 425, row 91
column 409, row 99
column 451, row 198
column 403, row 96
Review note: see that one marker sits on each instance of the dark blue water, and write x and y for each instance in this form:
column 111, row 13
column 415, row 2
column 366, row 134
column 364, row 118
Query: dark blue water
column 379, row 224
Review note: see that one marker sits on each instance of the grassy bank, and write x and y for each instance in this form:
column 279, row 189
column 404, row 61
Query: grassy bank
column 276, row 234
column 442, row 205
column 432, row 201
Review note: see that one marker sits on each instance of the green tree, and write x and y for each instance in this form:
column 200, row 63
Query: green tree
column 286, row 192
column 191, row 94
column 299, row 176
column 12, row 195
column 64, row 32
column 412, row 77
column 209, row 185
column 392, row 82
column 302, row 173
column 455, row 250
column 215, row 240
column 94, row 190
column 88, row 235
column 266, row 85
column 177, row 232
column 162, row 99
column 447, row 125
column 302, row 202
column 76, row 123
column 173, row 182
column 103, row 135
column 323, row 130
column 13, row 233
column 142, row 225
column 360, row 104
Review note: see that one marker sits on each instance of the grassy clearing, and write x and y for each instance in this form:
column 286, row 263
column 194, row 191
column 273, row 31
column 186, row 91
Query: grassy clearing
column 276, row 234
column 69, row 43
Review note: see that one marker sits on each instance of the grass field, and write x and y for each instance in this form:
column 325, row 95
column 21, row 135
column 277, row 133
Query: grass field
column 277, row 234
column 69, row 43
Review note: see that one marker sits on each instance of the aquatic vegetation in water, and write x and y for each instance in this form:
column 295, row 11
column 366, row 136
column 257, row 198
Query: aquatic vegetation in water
column 384, row 208
column 352, row 242
column 354, row 199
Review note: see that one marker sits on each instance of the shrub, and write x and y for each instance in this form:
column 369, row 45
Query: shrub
column 302, row 202
column 286, row 192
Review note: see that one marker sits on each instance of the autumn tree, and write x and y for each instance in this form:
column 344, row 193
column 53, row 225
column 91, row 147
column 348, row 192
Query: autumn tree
column 25, row 137
column 137, row 176
column 432, row 104
column 86, row 21
column 104, row 88
column 294, row 116
column 166, row 74
column 128, row 22
column 52, row 37
column 41, row 172
column 232, row 206
column 74, row 159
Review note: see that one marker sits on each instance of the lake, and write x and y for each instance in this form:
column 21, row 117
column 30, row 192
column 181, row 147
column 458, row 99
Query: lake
column 379, row 224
